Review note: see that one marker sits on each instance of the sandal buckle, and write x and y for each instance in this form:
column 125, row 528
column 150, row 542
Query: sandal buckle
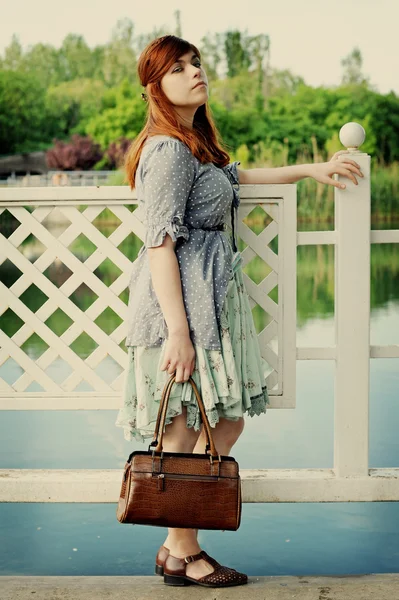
column 188, row 559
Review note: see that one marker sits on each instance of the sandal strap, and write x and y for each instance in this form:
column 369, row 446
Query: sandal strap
column 214, row 562
column 205, row 556
column 210, row 560
column 194, row 557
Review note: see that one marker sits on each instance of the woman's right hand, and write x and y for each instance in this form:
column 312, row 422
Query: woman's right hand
column 180, row 356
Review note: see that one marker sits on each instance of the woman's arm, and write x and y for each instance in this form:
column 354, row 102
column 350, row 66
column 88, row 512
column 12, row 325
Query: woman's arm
column 290, row 174
column 166, row 280
column 321, row 172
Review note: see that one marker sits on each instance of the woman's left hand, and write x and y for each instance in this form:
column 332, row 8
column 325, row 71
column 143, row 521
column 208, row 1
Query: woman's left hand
column 322, row 172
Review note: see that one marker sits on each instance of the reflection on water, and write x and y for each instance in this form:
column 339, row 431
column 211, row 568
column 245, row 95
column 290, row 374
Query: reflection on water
column 315, row 286
column 274, row 539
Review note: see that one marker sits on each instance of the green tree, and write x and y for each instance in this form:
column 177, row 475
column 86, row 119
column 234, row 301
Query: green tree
column 22, row 113
column 352, row 65
column 260, row 50
column 76, row 58
column 211, row 48
column 237, row 52
column 122, row 115
column 384, row 120
column 72, row 104
column 177, row 15
column 119, row 59
column 43, row 60
column 13, row 55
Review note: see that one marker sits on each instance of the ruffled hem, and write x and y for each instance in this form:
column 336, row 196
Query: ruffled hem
column 231, row 381
column 258, row 406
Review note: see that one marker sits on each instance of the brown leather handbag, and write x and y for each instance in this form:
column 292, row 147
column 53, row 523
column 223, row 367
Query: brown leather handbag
column 174, row 489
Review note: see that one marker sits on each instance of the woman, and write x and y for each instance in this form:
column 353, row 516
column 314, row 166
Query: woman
column 189, row 312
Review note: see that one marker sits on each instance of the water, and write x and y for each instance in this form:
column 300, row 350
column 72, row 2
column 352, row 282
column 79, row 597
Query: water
column 274, row 539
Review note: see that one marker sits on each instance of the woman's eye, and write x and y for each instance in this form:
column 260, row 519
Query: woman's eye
column 177, row 69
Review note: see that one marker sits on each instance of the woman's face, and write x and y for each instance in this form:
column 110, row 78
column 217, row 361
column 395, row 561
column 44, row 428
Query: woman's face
column 178, row 83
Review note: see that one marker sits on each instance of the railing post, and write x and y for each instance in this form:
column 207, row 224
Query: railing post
column 352, row 312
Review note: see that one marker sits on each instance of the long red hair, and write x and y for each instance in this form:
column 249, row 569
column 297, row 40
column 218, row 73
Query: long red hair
column 203, row 140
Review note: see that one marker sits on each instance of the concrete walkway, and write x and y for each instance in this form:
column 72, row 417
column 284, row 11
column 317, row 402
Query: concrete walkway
column 351, row 587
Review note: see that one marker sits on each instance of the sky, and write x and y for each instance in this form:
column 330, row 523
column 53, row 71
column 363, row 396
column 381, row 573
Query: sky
column 308, row 37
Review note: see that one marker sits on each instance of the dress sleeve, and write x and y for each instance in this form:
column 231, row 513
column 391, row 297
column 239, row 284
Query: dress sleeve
column 167, row 176
column 231, row 172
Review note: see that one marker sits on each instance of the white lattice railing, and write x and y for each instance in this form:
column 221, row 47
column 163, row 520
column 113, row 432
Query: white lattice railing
column 67, row 201
column 349, row 480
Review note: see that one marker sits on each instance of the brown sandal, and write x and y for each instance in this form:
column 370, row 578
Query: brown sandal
column 162, row 555
column 175, row 572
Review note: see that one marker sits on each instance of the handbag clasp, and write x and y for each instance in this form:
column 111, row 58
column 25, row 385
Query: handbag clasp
column 159, row 462
column 211, row 458
column 219, row 460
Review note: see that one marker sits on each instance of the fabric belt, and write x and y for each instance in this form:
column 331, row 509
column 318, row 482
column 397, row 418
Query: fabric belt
column 220, row 227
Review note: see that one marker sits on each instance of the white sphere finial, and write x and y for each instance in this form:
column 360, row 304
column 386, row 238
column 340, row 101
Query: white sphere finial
column 352, row 135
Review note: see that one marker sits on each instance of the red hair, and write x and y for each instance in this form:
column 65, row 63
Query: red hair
column 203, row 140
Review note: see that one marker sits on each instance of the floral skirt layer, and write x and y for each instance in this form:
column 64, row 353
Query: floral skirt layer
column 231, row 381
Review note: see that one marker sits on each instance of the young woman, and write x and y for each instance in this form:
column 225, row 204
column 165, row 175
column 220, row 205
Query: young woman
column 189, row 312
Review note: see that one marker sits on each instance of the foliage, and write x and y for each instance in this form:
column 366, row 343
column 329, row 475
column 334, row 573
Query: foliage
column 122, row 115
column 116, row 153
column 265, row 116
column 81, row 153
column 73, row 103
column 22, row 112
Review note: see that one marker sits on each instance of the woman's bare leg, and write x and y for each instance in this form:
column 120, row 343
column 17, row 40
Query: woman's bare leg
column 225, row 434
column 179, row 438
column 182, row 542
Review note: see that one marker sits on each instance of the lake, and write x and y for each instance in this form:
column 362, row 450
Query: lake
column 274, row 539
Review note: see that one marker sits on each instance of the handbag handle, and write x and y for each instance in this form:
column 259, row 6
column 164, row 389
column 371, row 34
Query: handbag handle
column 160, row 424
column 169, row 383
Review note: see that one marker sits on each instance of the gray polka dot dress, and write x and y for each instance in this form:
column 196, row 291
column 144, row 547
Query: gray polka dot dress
column 193, row 203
